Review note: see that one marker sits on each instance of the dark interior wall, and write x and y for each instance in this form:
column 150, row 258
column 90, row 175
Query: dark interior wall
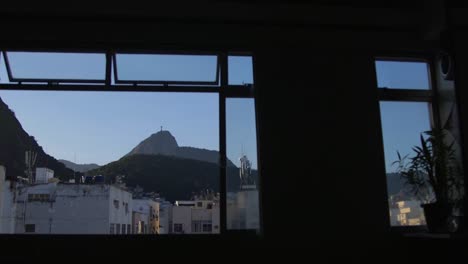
column 460, row 52
column 320, row 144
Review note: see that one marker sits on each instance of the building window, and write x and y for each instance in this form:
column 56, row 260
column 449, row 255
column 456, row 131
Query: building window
column 117, row 228
column 199, row 204
column 30, row 228
column 123, row 229
column 129, row 231
column 206, row 227
column 178, row 228
column 112, row 229
column 32, row 197
column 116, row 204
column 406, row 113
column 141, row 227
column 196, row 226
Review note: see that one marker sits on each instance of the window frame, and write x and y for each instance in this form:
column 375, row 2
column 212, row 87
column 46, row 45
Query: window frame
column 430, row 96
column 49, row 80
column 223, row 89
column 163, row 82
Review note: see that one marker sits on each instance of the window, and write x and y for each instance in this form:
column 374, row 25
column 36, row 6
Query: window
column 38, row 197
column 240, row 70
column 166, row 68
column 206, row 227
column 405, row 115
column 402, row 74
column 30, row 228
column 243, row 191
column 196, row 226
column 178, row 228
column 55, row 66
column 135, row 122
column 129, row 231
column 141, row 227
column 402, row 124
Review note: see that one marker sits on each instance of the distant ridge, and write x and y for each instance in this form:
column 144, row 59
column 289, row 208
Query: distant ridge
column 79, row 167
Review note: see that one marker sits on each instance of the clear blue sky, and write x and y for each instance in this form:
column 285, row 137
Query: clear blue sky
column 402, row 122
column 101, row 127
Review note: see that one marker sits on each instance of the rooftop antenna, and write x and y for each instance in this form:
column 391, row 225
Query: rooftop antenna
column 74, row 171
column 161, row 128
column 245, row 171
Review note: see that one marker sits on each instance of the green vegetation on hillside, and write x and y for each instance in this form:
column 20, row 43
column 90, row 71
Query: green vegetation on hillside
column 173, row 178
column 14, row 142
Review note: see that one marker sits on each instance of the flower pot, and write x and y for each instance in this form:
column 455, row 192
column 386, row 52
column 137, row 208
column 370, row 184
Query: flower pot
column 436, row 215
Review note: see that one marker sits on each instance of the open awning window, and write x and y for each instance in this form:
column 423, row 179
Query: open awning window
column 166, row 69
column 403, row 74
column 55, row 67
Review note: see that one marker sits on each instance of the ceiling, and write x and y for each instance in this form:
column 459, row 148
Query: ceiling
column 76, row 21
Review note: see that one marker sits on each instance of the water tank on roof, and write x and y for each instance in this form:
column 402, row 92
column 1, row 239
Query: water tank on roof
column 99, row 179
column 88, row 180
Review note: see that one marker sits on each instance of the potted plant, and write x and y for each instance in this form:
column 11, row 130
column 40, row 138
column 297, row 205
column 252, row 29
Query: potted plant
column 434, row 175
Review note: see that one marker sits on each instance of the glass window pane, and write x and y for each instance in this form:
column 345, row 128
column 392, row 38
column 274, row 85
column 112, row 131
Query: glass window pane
column 242, row 176
column 402, row 125
column 171, row 68
column 240, row 70
column 115, row 156
column 61, row 66
column 402, row 75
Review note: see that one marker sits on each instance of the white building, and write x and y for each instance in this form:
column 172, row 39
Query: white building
column 243, row 208
column 56, row 208
column 243, row 211
column 182, row 219
column 7, row 204
column 43, row 175
column 195, row 217
column 407, row 213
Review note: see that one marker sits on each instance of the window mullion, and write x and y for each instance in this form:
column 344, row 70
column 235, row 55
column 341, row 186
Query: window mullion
column 223, row 65
column 409, row 95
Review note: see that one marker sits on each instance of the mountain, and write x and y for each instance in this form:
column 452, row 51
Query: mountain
column 394, row 183
column 14, row 142
column 164, row 143
column 79, row 167
column 172, row 177
column 396, row 186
